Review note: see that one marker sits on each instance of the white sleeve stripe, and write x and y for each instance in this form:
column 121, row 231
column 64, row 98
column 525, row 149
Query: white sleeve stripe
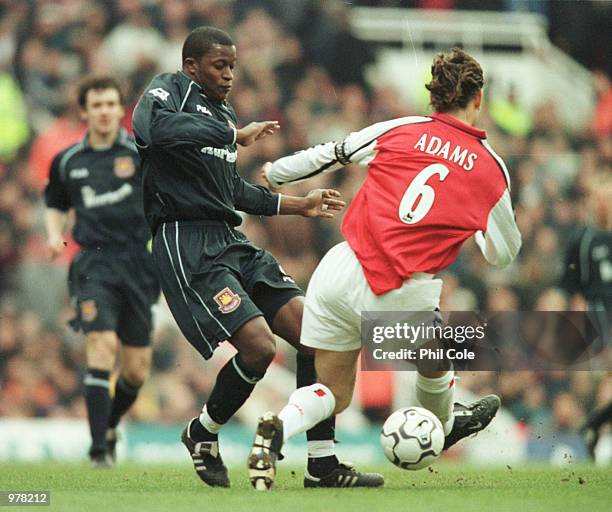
column 186, row 96
column 235, row 135
column 278, row 204
column 499, row 161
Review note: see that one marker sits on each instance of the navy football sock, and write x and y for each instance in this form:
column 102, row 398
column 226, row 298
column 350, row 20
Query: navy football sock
column 125, row 396
column 599, row 417
column 98, row 403
column 234, row 385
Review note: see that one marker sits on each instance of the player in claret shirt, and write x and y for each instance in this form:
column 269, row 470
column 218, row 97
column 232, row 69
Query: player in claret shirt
column 432, row 183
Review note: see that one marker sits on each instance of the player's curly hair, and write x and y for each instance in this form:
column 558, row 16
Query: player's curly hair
column 456, row 79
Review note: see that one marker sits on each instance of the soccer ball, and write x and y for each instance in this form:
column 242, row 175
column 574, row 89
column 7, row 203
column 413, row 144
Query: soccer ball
column 412, row 438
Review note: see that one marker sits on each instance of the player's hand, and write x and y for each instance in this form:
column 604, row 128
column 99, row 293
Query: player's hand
column 265, row 168
column 322, row 202
column 254, row 131
column 55, row 246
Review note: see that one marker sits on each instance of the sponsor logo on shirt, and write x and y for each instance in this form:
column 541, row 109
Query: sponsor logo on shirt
column 93, row 200
column 160, row 93
column 204, row 110
column 77, row 174
column 228, row 156
column 227, row 300
column 124, row 167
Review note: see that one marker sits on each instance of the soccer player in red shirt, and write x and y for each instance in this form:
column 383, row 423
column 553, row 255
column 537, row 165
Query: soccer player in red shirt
column 432, row 183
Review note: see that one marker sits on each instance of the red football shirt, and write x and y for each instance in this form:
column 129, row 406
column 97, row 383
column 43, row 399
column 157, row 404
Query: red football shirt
column 432, row 183
column 430, row 187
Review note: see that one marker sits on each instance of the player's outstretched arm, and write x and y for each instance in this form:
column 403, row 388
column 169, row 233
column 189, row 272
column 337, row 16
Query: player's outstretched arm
column 357, row 148
column 258, row 200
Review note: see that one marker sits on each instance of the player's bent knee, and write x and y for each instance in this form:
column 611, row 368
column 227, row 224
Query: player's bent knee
column 101, row 349
column 342, row 396
column 264, row 358
column 136, row 365
column 262, row 353
column 288, row 321
column 136, row 377
column 256, row 344
column 135, row 380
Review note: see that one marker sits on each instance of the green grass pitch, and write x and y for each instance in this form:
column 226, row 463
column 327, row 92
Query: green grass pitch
column 445, row 488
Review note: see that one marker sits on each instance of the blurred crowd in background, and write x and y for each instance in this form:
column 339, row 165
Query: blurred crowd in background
column 302, row 67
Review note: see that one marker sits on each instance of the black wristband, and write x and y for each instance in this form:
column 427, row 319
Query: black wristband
column 340, row 152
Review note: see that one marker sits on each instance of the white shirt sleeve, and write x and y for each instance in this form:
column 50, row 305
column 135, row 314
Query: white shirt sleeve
column 358, row 147
column 502, row 240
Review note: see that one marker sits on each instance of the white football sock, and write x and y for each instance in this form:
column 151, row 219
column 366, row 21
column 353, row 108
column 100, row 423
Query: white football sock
column 436, row 395
column 208, row 423
column 323, row 448
column 307, row 406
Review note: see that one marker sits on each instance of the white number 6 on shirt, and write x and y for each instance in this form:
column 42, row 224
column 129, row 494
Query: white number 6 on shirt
column 419, row 188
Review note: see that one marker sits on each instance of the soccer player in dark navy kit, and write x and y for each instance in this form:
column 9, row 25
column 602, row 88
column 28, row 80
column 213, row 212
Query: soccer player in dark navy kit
column 588, row 278
column 588, row 262
column 218, row 284
column 112, row 279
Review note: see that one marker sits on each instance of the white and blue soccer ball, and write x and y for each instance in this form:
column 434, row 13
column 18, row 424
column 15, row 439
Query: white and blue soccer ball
column 412, row 438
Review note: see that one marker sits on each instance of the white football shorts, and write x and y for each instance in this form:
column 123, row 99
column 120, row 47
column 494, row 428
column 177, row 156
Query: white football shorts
column 338, row 292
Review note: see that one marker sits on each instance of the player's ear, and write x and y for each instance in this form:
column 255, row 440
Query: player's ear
column 83, row 113
column 189, row 64
column 478, row 100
